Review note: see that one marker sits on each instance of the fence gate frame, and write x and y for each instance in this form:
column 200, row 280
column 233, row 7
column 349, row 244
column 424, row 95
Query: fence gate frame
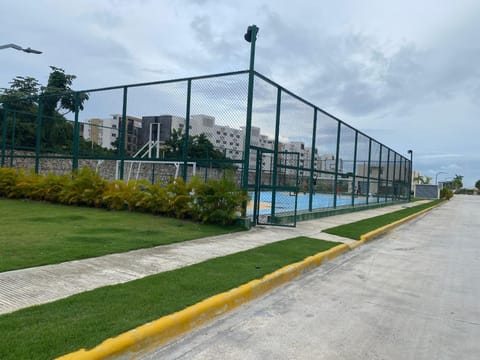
column 267, row 180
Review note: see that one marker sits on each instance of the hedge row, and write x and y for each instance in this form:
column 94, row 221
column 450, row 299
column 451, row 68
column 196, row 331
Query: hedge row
column 214, row 201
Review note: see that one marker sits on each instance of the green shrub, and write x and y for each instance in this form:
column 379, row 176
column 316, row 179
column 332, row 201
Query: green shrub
column 118, row 195
column 155, row 200
column 8, row 182
column 85, row 188
column 446, row 194
column 218, row 201
column 51, row 186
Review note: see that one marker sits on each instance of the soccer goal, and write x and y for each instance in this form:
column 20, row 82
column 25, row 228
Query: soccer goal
column 144, row 169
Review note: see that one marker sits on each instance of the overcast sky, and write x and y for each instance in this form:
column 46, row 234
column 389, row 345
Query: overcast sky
column 405, row 72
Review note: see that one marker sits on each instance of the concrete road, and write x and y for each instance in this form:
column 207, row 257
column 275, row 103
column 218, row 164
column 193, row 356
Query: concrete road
column 412, row 294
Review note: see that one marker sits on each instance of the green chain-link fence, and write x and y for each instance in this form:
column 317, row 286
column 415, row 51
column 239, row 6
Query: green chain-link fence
column 295, row 156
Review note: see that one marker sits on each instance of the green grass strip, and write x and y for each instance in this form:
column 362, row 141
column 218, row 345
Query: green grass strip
column 86, row 319
column 356, row 229
column 35, row 233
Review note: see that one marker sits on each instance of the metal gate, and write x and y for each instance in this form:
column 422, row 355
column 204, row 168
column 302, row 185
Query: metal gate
column 275, row 187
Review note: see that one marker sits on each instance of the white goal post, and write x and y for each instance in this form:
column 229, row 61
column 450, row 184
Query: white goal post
column 139, row 164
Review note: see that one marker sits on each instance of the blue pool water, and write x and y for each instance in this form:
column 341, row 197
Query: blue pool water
column 284, row 202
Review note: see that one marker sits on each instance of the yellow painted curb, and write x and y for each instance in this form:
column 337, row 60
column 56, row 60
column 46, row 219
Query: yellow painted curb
column 132, row 343
column 165, row 329
column 370, row 235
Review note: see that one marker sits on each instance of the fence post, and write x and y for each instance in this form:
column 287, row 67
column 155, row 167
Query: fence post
column 76, row 135
column 253, row 30
column 369, row 168
column 354, row 168
column 393, row 177
column 275, row 151
column 388, row 175
column 39, row 135
column 123, row 134
column 335, row 181
column 312, row 161
column 379, row 170
column 4, row 134
column 187, row 131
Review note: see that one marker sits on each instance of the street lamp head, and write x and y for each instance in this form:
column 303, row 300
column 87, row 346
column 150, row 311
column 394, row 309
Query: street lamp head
column 19, row 48
column 410, row 151
column 251, row 33
column 32, row 51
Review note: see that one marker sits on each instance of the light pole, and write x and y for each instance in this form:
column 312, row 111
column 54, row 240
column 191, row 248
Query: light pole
column 251, row 37
column 411, row 176
column 19, row 48
column 436, row 176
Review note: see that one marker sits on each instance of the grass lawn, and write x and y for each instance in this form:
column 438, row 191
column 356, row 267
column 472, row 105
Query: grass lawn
column 86, row 319
column 35, row 233
column 356, row 229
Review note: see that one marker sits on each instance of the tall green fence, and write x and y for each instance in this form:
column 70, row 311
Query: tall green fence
column 198, row 125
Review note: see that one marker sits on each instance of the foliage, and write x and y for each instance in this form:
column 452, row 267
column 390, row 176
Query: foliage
column 218, row 201
column 446, row 194
column 120, row 195
column 29, row 102
column 421, row 179
column 58, row 94
column 477, row 184
column 22, row 93
column 214, row 202
column 199, row 147
column 85, row 188
column 457, row 181
column 8, row 182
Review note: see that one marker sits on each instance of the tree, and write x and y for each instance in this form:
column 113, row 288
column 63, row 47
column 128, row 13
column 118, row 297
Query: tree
column 199, row 147
column 22, row 94
column 23, row 98
column 457, row 181
column 58, row 94
column 477, row 184
column 424, row 180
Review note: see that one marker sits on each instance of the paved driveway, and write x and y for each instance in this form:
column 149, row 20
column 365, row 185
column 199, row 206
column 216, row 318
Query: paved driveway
column 412, row 294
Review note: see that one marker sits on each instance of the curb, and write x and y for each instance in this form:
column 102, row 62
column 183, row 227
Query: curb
column 133, row 343
column 374, row 233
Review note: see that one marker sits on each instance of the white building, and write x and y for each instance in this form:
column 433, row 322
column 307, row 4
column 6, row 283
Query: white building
column 104, row 132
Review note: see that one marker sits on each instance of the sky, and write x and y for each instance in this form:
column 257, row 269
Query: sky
column 404, row 72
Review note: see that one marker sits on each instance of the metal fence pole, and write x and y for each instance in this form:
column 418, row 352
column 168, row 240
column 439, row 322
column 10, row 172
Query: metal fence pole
column 12, row 145
column 312, row 161
column 354, row 168
column 76, row 135
column 123, row 133
column 186, row 138
column 369, row 167
column 379, row 172
column 335, row 182
column 275, row 151
column 4, row 134
column 248, row 126
column 394, row 176
column 411, row 176
column 39, row 135
column 388, row 175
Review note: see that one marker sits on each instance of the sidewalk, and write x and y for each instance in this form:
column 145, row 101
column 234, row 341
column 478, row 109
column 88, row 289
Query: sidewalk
column 33, row 286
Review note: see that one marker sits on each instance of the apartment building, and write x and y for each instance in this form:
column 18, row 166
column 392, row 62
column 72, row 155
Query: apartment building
column 105, row 131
